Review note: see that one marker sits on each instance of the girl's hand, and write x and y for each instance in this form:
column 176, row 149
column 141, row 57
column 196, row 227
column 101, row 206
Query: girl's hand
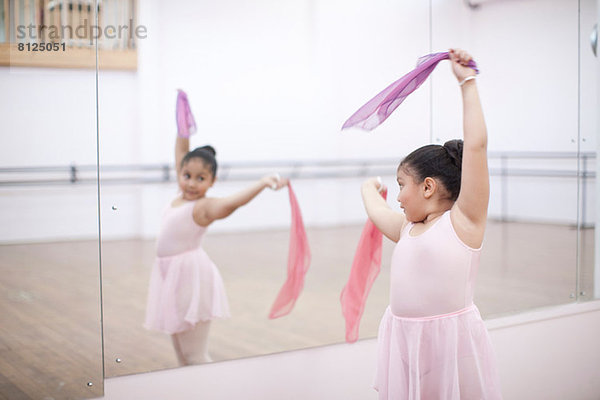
column 375, row 182
column 274, row 182
column 460, row 59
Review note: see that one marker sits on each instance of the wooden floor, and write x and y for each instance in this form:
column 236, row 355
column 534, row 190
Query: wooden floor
column 50, row 336
column 50, row 332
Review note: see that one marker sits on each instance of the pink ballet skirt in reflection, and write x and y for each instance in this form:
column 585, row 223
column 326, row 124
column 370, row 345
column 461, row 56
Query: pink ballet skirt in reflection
column 298, row 263
column 185, row 285
column 365, row 268
column 376, row 110
column 432, row 342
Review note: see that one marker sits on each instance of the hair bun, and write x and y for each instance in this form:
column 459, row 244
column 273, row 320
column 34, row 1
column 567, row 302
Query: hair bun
column 454, row 148
column 208, row 149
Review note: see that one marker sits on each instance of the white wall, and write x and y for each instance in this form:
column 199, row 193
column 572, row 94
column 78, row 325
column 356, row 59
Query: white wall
column 549, row 354
column 275, row 80
column 48, row 119
column 265, row 81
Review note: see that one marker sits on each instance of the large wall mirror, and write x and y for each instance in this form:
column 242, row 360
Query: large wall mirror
column 270, row 84
column 50, row 310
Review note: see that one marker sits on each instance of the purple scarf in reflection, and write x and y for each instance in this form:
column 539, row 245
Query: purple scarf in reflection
column 376, row 110
column 186, row 125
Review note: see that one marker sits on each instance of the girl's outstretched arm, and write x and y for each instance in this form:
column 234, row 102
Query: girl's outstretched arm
column 182, row 146
column 388, row 221
column 209, row 209
column 472, row 202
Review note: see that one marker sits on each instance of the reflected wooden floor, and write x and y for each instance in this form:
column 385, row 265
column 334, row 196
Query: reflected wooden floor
column 49, row 310
column 50, row 334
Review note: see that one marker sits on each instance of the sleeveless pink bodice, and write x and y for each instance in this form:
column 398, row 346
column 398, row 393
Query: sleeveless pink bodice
column 179, row 233
column 432, row 273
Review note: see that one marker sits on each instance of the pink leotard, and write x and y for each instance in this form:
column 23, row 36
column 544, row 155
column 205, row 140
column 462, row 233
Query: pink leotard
column 178, row 232
column 432, row 273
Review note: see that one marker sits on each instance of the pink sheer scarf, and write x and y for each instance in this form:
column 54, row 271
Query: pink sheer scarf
column 298, row 262
column 376, row 110
column 365, row 268
column 186, row 125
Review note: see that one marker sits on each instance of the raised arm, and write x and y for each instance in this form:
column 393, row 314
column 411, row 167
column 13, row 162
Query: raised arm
column 385, row 219
column 182, row 146
column 209, row 209
column 473, row 199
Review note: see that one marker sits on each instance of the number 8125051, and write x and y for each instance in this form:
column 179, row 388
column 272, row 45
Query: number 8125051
column 41, row 47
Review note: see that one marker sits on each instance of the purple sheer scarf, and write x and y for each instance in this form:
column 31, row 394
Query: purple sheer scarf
column 376, row 110
column 186, row 125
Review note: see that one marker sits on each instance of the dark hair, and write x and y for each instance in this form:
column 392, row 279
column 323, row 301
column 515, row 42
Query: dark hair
column 439, row 162
column 206, row 154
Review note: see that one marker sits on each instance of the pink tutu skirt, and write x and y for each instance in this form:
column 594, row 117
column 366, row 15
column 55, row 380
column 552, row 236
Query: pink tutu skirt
column 184, row 289
column 443, row 357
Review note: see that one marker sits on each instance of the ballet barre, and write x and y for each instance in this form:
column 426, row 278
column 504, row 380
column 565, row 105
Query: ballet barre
column 294, row 169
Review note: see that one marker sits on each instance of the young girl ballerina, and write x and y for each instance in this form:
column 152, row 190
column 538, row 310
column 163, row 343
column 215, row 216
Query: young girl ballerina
column 432, row 342
column 186, row 290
